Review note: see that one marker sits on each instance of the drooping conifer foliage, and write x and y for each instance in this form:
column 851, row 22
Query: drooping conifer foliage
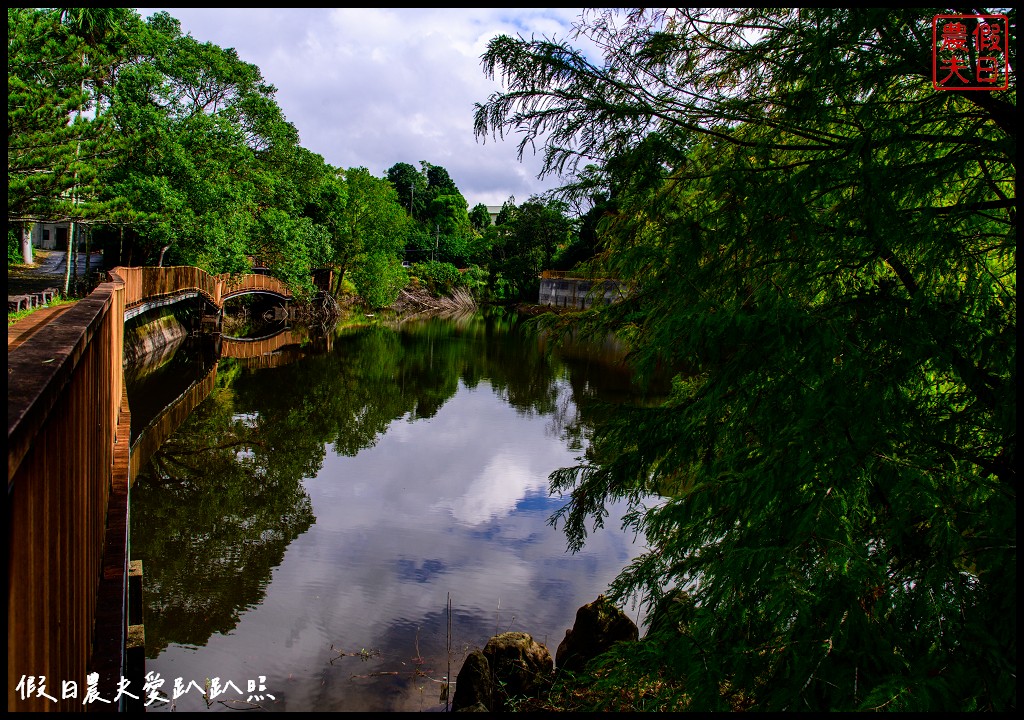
column 59, row 68
column 822, row 253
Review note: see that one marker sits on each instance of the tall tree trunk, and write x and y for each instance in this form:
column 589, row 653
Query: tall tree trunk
column 88, row 257
column 339, row 281
column 67, row 259
column 26, row 243
column 74, row 259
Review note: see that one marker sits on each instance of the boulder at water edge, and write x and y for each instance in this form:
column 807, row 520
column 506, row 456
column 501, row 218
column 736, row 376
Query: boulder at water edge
column 598, row 626
column 512, row 664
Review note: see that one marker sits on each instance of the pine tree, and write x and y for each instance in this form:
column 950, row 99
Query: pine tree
column 822, row 252
column 59, row 138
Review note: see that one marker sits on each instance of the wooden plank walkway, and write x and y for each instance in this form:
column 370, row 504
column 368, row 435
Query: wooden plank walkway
column 29, row 325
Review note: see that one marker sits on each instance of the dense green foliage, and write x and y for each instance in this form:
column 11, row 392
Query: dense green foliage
column 218, row 170
column 379, row 278
column 479, row 218
column 59, row 135
column 164, row 149
column 371, row 238
column 822, row 251
column 13, row 247
column 171, row 150
column 525, row 240
column 439, row 227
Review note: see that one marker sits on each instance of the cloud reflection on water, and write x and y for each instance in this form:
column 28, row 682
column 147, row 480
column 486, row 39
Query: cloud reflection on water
column 455, row 504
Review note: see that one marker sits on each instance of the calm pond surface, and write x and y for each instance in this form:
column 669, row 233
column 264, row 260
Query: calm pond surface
column 306, row 527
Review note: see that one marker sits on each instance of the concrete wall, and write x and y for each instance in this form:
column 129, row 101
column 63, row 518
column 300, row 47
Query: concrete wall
column 44, row 235
column 579, row 293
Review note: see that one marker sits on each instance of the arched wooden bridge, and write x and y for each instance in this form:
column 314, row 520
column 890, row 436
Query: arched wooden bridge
column 148, row 287
column 68, row 475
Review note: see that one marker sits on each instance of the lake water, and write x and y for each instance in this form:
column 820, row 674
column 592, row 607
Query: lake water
column 305, row 531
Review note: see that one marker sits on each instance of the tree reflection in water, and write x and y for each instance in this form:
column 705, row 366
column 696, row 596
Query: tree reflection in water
column 216, row 508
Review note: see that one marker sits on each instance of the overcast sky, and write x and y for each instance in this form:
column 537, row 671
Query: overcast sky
column 372, row 87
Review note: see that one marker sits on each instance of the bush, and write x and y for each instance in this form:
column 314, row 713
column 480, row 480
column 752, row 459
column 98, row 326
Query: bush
column 475, row 279
column 379, row 280
column 13, row 247
column 440, row 278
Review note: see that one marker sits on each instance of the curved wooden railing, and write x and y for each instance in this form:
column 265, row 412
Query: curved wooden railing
column 143, row 284
column 146, row 284
column 241, row 284
column 67, row 497
column 68, row 473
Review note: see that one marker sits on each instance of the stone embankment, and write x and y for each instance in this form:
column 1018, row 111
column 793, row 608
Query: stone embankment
column 153, row 335
column 579, row 293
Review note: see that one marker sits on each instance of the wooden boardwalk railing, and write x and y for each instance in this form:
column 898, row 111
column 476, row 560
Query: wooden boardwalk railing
column 67, row 453
column 145, row 284
column 68, row 471
column 232, row 286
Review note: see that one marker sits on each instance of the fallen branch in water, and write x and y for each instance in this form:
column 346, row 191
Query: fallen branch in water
column 416, row 299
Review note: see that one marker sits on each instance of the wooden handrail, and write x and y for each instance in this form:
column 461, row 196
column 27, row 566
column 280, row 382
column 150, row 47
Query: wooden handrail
column 64, row 417
column 147, row 283
column 68, row 470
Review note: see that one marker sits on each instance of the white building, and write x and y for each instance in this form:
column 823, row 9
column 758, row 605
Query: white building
column 50, row 236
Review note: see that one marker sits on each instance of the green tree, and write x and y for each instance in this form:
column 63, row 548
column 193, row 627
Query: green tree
column 479, row 217
column 60, row 64
column 527, row 238
column 440, row 227
column 439, row 182
column 217, row 171
column 583, row 247
column 411, row 186
column 374, row 232
column 104, row 39
column 822, row 250
column 379, row 278
column 453, row 232
column 508, row 208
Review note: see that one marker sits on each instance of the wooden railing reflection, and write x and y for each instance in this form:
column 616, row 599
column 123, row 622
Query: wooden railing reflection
column 265, row 352
column 170, row 419
column 244, row 348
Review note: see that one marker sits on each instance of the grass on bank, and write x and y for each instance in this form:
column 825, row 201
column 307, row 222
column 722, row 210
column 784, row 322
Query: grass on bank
column 13, row 317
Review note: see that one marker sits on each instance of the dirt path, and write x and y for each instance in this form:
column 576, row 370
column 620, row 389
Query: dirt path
column 47, row 272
